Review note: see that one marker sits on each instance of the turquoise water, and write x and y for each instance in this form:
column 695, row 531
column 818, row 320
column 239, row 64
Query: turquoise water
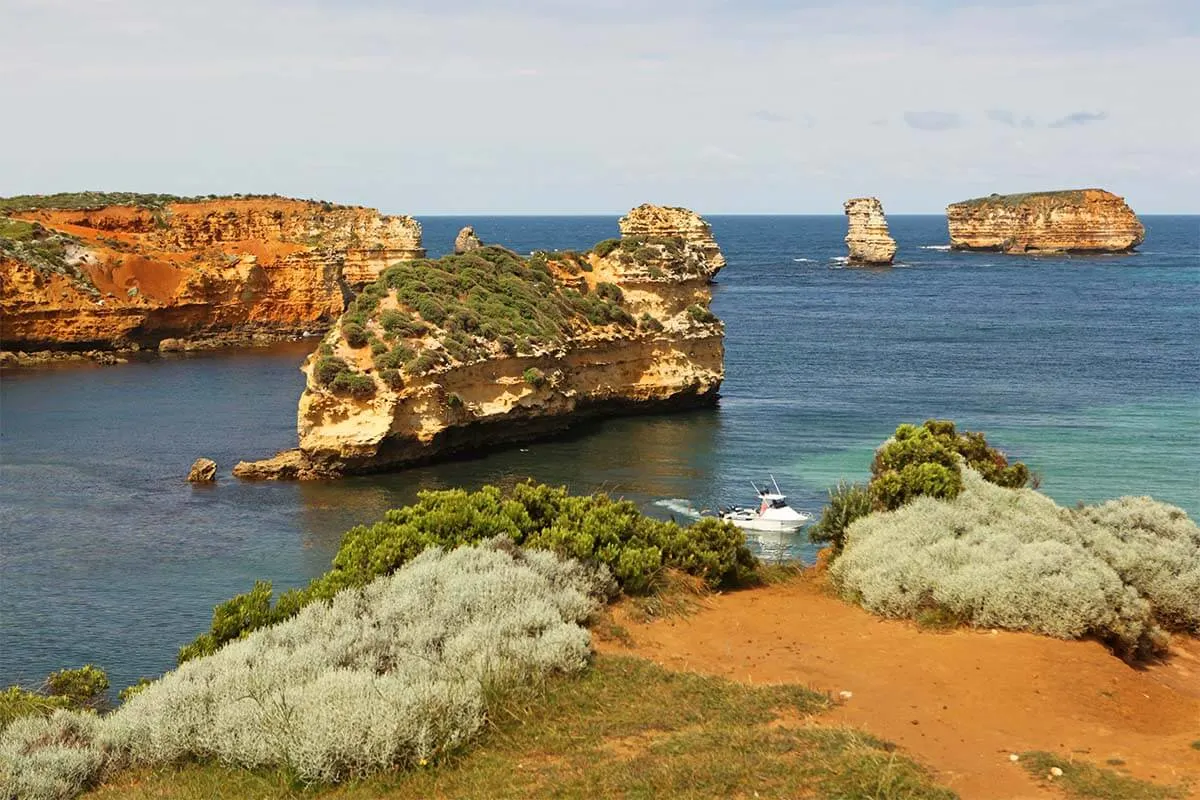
column 1087, row 368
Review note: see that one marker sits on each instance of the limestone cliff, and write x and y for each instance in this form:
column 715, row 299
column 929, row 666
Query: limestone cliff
column 868, row 238
column 659, row 224
column 1076, row 221
column 102, row 272
column 472, row 350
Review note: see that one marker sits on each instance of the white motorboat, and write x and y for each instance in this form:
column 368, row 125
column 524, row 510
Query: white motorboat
column 773, row 513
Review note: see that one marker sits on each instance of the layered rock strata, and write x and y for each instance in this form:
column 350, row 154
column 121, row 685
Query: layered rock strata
column 868, row 239
column 669, row 223
column 1075, row 221
column 113, row 277
column 475, row 350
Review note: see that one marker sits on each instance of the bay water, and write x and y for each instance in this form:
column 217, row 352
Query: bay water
column 1087, row 368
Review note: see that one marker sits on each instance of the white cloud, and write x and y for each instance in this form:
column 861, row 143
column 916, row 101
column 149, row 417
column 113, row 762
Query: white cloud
column 526, row 107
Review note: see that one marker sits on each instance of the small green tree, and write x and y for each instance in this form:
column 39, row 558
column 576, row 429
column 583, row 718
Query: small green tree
column 847, row 502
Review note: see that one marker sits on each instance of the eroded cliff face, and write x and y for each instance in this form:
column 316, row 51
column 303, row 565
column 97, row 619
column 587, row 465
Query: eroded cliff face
column 484, row 348
column 199, row 271
column 868, row 239
column 1081, row 220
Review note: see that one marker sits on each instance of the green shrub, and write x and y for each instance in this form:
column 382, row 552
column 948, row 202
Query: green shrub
column 609, row 291
column 85, row 687
column 354, row 384
column 591, row 528
column 535, row 377
column 129, row 691
column 378, row 348
column 454, row 400
column 16, row 703
column 426, row 361
column 925, row 460
column 329, row 368
column 701, row 314
column 649, row 322
column 395, row 358
column 355, row 335
column 401, row 324
column 605, row 247
column 392, row 378
column 847, row 503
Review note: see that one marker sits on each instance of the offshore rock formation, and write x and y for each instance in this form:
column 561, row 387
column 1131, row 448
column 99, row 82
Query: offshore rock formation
column 204, row 470
column 669, row 223
column 110, row 272
column 475, row 350
column 466, row 241
column 1076, row 221
column 868, row 237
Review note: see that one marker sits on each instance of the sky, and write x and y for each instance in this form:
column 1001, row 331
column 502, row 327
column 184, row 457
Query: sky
column 542, row 106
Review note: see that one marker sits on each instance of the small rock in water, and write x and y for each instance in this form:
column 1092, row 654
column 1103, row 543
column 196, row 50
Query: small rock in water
column 203, row 471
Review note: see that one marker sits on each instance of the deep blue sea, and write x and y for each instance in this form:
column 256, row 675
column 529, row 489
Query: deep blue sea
column 1088, row 368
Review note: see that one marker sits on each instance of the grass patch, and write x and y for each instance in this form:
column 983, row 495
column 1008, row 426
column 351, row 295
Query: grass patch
column 625, row 729
column 1081, row 779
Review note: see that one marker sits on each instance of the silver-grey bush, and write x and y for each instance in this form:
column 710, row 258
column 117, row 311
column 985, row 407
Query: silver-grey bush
column 391, row 674
column 1012, row 558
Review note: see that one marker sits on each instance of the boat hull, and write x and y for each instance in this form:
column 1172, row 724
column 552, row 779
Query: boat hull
column 768, row 525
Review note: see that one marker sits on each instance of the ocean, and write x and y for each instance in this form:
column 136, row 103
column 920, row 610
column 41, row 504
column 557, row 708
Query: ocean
column 1087, row 368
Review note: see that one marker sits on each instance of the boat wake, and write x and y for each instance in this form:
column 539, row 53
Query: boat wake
column 934, row 247
column 805, row 260
column 679, row 506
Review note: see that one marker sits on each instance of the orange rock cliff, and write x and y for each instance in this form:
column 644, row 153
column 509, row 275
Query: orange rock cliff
column 93, row 271
column 487, row 347
column 1080, row 220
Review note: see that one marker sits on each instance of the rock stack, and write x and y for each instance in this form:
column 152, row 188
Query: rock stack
column 466, row 241
column 868, row 238
column 669, row 222
column 1073, row 221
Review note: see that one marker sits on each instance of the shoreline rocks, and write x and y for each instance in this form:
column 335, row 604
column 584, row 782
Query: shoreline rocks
column 868, row 239
column 1072, row 221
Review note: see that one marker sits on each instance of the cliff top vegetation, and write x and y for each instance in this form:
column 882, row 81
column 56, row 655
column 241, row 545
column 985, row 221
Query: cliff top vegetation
column 88, row 201
column 1061, row 196
column 427, row 313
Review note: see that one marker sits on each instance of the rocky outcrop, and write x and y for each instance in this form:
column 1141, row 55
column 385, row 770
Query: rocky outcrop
column 466, row 241
column 1076, row 221
column 868, row 238
column 204, row 470
column 231, row 270
column 659, row 224
column 413, row 374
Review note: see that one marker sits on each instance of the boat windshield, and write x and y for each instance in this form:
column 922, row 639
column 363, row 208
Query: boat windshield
column 779, row 502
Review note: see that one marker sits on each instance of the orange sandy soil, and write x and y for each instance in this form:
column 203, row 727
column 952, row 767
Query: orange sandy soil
column 156, row 273
column 960, row 701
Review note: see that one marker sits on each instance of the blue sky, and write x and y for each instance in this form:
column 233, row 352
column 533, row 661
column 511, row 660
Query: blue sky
column 540, row 106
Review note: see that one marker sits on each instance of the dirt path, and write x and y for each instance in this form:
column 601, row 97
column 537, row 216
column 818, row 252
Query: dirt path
column 961, row 701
